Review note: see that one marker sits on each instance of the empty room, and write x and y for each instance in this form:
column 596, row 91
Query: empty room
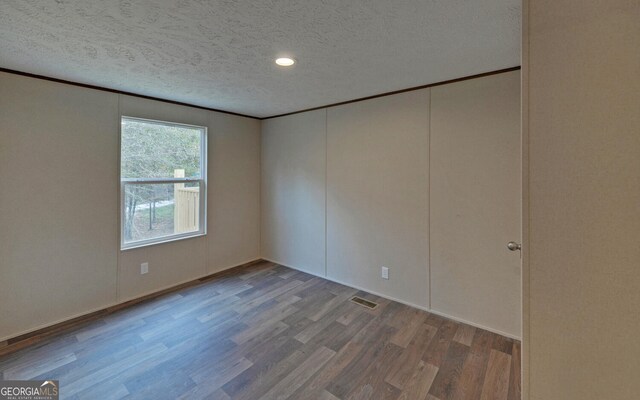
column 320, row 200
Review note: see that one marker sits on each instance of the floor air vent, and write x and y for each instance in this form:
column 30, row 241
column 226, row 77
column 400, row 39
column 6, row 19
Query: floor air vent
column 364, row 303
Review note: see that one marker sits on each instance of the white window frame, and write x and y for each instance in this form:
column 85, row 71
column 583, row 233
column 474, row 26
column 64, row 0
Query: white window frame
column 202, row 180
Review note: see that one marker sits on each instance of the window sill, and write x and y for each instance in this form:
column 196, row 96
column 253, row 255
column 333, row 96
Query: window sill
column 170, row 239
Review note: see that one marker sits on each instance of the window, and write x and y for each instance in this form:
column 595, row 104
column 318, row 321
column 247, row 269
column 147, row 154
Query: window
column 162, row 181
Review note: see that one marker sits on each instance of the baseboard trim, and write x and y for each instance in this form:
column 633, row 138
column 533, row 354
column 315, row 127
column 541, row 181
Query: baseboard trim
column 424, row 308
column 36, row 335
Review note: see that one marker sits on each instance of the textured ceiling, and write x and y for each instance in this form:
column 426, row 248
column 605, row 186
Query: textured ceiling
column 219, row 53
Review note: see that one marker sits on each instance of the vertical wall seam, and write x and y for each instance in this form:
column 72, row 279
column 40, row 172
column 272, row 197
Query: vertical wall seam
column 429, row 199
column 207, row 238
column 525, row 265
column 119, row 230
column 326, row 179
column 260, row 183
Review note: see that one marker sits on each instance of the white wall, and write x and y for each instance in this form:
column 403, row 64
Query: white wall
column 293, row 190
column 377, row 196
column 59, row 226
column 583, row 96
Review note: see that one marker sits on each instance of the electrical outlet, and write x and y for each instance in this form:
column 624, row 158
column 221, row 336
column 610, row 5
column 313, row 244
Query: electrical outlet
column 385, row 273
column 144, row 268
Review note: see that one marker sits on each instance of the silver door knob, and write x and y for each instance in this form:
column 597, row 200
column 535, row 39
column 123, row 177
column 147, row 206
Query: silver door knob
column 513, row 246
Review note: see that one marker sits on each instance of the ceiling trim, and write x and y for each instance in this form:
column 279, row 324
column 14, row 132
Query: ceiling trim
column 375, row 96
column 105, row 89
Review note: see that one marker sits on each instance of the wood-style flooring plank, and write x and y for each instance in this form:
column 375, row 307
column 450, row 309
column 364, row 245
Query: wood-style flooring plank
column 439, row 346
column 464, row 334
column 470, row 383
column 324, row 395
column 316, row 386
column 405, row 365
column 418, row 385
column 407, row 331
column 514, row 379
column 209, row 380
column 496, row 380
column 301, row 374
column 448, row 378
column 261, row 368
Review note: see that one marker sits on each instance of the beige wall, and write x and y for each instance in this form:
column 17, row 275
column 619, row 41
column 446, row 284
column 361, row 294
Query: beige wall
column 59, row 243
column 377, row 196
column 475, row 201
column 233, row 211
column 293, row 190
column 58, row 202
column 582, row 71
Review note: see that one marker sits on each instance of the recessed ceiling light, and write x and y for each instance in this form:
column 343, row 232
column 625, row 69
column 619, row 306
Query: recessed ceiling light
column 285, row 61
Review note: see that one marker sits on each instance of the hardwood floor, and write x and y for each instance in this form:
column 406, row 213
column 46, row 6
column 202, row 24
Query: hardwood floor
column 269, row 332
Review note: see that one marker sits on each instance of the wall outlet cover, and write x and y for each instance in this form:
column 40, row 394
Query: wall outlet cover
column 385, row 273
column 144, row 268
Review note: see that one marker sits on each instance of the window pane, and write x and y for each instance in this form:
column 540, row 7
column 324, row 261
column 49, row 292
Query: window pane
column 157, row 210
column 155, row 150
